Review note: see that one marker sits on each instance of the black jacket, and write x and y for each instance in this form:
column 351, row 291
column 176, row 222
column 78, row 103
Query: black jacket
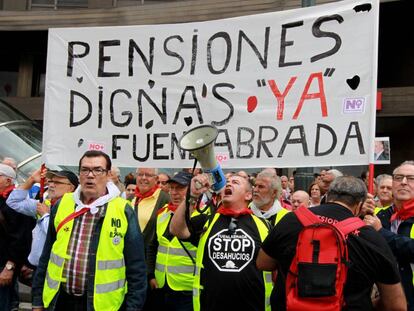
column 15, row 235
column 402, row 246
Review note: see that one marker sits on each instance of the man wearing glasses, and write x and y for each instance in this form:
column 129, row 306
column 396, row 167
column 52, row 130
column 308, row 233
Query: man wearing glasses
column 93, row 258
column 396, row 225
column 149, row 198
column 226, row 276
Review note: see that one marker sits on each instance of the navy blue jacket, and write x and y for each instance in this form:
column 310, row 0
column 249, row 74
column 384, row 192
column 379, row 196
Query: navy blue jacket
column 402, row 246
column 136, row 274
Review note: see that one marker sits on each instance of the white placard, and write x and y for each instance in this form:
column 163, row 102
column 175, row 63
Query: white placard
column 286, row 89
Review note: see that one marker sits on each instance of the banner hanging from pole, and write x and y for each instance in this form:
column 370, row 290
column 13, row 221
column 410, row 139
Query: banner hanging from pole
column 285, row 89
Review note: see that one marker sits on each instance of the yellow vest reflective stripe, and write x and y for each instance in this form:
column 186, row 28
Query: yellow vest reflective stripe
column 412, row 236
column 173, row 263
column 379, row 209
column 280, row 214
column 110, row 280
column 197, row 288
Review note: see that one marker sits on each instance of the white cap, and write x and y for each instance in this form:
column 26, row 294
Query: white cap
column 7, row 171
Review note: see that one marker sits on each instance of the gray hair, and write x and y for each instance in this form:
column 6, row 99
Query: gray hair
column 116, row 170
column 10, row 162
column 381, row 177
column 155, row 170
column 404, row 163
column 348, row 190
column 275, row 183
column 335, row 173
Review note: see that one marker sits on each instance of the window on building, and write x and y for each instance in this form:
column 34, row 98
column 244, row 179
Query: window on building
column 58, row 3
column 42, row 3
column 77, row 3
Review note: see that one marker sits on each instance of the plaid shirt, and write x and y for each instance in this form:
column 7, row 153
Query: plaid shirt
column 75, row 269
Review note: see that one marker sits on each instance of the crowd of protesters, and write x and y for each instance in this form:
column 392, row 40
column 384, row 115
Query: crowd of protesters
column 91, row 240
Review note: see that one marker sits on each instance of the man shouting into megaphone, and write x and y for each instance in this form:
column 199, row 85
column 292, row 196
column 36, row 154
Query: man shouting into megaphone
column 228, row 241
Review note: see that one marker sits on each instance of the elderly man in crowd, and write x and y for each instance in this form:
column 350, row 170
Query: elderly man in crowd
column 116, row 179
column 266, row 194
column 285, row 187
column 171, row 261
column 299, row 198
column 226, row 277
column 326, row 179
column 59, row 183
column 15, row 239
column 93, row 257
column 371, row 260
column 384, row 190
column 396, row 225
column 149, row 199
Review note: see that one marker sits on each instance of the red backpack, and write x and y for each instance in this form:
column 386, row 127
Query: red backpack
column 317, row 274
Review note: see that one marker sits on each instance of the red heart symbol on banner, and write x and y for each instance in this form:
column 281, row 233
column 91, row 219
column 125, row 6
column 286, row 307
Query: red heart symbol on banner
column 251, row 103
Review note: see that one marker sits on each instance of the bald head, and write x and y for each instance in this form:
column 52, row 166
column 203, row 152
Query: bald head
column 300, row 198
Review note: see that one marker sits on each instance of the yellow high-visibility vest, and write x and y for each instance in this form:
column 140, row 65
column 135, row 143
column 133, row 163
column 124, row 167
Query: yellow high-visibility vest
column 110, row 284
column 173, row 262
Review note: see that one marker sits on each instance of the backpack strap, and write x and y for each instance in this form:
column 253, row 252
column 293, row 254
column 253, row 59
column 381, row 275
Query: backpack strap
column 348, row 225
column 306, row 217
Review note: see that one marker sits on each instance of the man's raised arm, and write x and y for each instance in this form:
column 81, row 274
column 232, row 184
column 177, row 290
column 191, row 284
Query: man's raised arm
column 178, row 226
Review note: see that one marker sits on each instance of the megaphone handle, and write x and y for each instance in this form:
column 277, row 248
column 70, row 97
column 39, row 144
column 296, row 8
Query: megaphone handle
column 197, row 185
column 187, row 203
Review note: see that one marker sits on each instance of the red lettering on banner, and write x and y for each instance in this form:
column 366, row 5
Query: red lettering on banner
column 281, row 97
column 306, row 95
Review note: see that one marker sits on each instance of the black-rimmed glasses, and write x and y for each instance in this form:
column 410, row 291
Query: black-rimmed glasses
column 96, row 171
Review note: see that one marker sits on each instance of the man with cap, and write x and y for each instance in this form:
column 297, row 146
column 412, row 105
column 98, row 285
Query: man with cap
column 15, row 237
column 171, row 261
column 59, row 183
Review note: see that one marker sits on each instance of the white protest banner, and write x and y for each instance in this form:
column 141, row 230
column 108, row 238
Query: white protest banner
column 286, row 89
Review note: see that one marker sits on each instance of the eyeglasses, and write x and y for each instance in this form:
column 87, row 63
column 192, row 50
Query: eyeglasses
column 96, row 171
column 148, row 175
column 400, row 178
column 162, row 182
column 58, row 182
column 233, row 225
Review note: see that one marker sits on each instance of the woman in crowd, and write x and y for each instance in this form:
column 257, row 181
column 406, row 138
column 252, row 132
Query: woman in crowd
column 315, row 194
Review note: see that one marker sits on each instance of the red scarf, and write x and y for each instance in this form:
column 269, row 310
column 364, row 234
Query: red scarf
column 7, row 191
column 406, row 211
column 140, row 196
column 230, row 212
column 172, row 207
